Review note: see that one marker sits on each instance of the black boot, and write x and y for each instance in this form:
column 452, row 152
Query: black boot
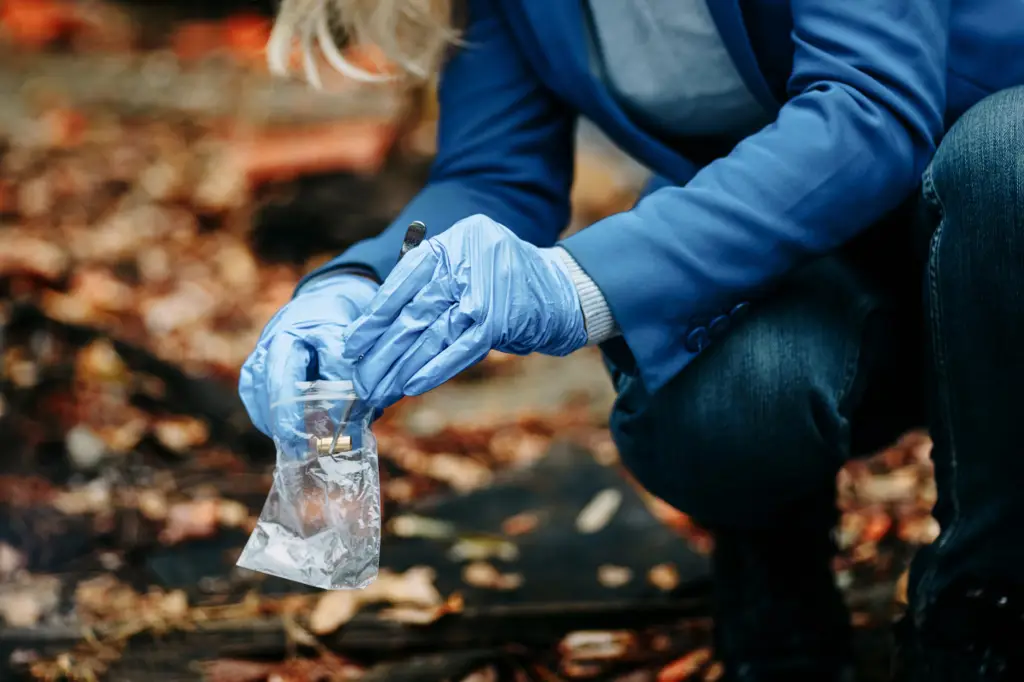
column 973, row 632
column 779, row 615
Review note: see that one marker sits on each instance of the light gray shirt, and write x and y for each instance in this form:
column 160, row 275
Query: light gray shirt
column 667, row 66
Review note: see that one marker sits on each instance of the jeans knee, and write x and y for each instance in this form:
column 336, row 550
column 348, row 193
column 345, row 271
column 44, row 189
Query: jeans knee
column 973, row 191
column 739, row 452
column 978, row 168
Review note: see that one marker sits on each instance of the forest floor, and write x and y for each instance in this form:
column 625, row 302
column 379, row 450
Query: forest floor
column 158, row 202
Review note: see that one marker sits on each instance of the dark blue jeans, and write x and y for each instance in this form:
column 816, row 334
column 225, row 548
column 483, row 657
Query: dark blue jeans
column 920, row 321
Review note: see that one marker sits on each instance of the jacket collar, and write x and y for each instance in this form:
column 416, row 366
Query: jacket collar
column 561, row 29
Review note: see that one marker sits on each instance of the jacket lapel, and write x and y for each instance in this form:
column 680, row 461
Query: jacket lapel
column 562, row 55
column 564, row 52
column 729, row 19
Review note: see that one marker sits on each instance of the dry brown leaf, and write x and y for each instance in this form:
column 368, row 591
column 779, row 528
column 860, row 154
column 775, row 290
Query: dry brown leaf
column 921, row 530
column 415, row 586
column 484, row 575
column 412, row 615
column 664, row 576
column 896, row 486
column 715, row 672
column 228, row 670
column 412, row 526
column 181, row 433
column 614, row 576
column 26, row 600
column 232, row 514
column 11, row 562
column 461, row 473
column 25, row 253
column 520, row 524
column 597, row 645
column 901, row 588
column 152, row 504
column 192, row 519
column 412, row 589
column 686, row 667
column 488, row 674
column 100, row 361
column 92, row 498
column 516, row 445
column 599, row 512
column 482, row 548
column 84, row 446
column 333, row 610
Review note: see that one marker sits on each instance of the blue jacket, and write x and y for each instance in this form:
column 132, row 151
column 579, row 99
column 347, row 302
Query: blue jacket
column 864, row 90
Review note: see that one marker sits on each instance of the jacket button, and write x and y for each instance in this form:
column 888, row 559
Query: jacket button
column 718, row 326
column 697, row 340
column 740, row 310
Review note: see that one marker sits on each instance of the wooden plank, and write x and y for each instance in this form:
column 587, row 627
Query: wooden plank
column 155, row 82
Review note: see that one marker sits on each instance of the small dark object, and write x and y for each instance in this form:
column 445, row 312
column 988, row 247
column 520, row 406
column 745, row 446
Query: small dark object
column 413, row 237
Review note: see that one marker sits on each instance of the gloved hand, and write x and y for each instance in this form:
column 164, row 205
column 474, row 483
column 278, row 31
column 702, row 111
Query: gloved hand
column 474, row 288
column 302, row 342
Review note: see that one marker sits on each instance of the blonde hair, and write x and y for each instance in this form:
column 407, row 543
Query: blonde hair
column 413, row 35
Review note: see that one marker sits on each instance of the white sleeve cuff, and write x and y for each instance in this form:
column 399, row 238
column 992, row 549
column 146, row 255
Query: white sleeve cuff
column 597, row 317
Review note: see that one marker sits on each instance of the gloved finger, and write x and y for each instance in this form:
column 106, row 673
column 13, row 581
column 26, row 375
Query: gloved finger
column 251, row 389
column 288, row 363
column 469, row 349
column 327, row 365
column 444, row 331
column 410, row 276
column 393, row 342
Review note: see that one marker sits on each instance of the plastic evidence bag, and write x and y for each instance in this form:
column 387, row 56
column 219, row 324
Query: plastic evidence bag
column 321, row 523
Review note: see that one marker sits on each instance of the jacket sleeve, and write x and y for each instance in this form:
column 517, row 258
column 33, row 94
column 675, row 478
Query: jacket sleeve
column 867, row 98
column 505, row 149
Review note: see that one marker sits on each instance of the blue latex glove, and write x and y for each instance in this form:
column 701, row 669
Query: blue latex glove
column 474, row 288
column 302, row 342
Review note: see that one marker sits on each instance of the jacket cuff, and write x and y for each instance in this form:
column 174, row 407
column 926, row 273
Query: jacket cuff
column 597, row 316
column 312, row 280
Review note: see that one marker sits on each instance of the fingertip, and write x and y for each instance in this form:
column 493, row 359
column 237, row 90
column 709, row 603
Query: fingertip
column 415, row 387
column 359, row 385
column 251, row 396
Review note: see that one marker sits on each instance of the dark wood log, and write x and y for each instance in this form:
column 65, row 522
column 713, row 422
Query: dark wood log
column 154, row 83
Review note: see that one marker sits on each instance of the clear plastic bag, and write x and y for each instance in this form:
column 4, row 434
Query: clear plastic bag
column 321, row 523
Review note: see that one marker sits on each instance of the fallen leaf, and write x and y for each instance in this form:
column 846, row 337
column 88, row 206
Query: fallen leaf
column 922, row 530
column 333, row 610
column 664, row 576
column 597, row 645
column 412, row 526
column 520, row 524
column 92, row 498
column 715, row 672
column 482, row 548
column 484, row 575
column 20, row 610
column 686, row 667
column 412, row 589
column 876, row 528
column 415, row 586
column 153, row 504
column 192, row 519
column 11, row 561
column 228, row 670
column 180, row 434
column 901, row 588
column 232, row 514
column 614, row 576
column 461, row 473
column 599, row 511
column 26, row 600
column 412, row 615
